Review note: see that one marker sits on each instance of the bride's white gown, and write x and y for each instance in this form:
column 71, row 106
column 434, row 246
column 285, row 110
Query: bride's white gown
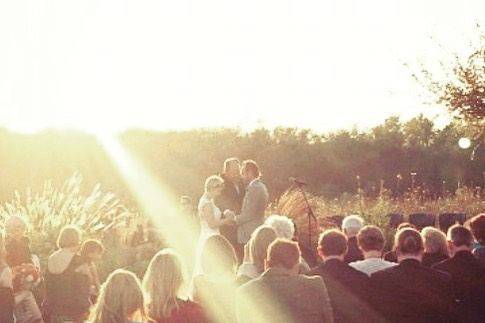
column 205, row 231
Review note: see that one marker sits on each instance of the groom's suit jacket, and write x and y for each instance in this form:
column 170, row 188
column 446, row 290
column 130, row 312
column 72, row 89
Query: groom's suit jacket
column 252, row 212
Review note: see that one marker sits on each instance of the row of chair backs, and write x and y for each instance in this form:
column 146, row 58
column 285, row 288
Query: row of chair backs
column 422, row 220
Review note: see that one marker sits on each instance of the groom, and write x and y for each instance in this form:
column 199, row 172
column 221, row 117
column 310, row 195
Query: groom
column 254, row 204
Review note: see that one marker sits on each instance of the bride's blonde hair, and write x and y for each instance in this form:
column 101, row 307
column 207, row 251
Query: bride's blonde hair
column 212, row 182
column 162, row 284
column 120, row 297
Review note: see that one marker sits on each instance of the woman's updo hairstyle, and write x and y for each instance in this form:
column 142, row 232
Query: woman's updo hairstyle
column 408, row 241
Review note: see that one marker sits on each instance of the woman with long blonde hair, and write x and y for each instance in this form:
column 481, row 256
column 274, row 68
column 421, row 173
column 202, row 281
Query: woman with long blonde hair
column 120, row 299
column 163, row 284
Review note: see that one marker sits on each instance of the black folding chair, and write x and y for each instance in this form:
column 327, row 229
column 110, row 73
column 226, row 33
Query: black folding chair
column 395, row 219
column 422, row 220
column 446, row 220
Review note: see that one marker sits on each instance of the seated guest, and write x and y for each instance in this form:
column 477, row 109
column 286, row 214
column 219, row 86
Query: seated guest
column 411, row 292
column 91, row 252
column 391, row 255
column 477, row 225
column 67, row 286
column 25, row 269
column 435, row 248
column 162, row 285
column 371, row 241
column 467, row 275
column 285, row 228
column 7, row 302
column 351, row 226
column 120, row 299
column 17, row 244
column 347, row 287
column 257, row 250
column 215, row 288
column 281, row 294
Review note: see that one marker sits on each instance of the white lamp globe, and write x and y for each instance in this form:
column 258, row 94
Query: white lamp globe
column 464, row 143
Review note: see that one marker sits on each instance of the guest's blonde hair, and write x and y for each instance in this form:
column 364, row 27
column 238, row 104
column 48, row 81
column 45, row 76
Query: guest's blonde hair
column 120, row 297
column 212, row 182
column 162, row 284
column 434, row 240
column 69, row 237
column 258, row 245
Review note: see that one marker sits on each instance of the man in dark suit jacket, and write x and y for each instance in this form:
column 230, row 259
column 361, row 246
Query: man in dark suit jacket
column 348, row 288
column 231, row 197
column 232, row 193
column 281, row 294
column 411, row 292
column 467, row 275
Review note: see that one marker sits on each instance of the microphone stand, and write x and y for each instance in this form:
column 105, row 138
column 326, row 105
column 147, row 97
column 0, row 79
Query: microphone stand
column 310, row 213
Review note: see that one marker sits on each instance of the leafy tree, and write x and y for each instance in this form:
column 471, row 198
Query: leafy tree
column 462, row 91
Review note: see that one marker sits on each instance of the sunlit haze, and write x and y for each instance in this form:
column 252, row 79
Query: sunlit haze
column 105, row 66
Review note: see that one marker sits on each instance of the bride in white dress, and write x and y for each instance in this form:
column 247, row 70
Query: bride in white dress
column 210, row 218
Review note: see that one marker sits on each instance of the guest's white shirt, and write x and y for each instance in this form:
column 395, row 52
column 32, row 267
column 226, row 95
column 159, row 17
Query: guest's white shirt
column 371, row 265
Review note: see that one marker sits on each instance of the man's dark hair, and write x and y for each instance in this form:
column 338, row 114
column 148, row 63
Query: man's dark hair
column 228, row 162
column 370, row 238
column 332, row 242
column 283, row 253
column 477, row 225
column 408, row 241
column 460, row 236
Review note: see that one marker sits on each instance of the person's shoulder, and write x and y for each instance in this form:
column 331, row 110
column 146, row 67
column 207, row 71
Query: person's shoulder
column 443, row 265
column 247, row 269
column 342, row 269
column 316, row 271
column 358, row 264
column 439, row 276
column 357, row 274
column 249, row 285
column 314, row 280
column 384, row 272
column 257, row 184
column 439, row 272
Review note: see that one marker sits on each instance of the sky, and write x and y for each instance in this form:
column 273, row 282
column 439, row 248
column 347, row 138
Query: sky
column 108, row 65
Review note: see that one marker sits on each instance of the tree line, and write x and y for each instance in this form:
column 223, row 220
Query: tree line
column 395, row 154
